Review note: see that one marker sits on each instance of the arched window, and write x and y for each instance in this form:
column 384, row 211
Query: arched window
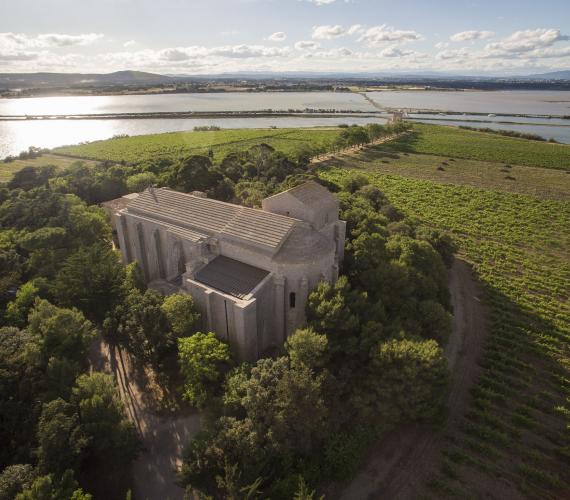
column 292, row 300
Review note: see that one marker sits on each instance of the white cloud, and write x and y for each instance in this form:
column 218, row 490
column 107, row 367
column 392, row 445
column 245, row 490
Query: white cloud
column 129, row 43
column 468, row 36
column 379, row 35
column 278, row 36
column 394, row 51
column 328, row 32
column 307, row 45
column 321, row 2
column 445, row 55
column 47, row 40
column 228, row 51
column 441, row 45
column 339, row 53
column 9, row 56
column 355, row 29
column 527, row 41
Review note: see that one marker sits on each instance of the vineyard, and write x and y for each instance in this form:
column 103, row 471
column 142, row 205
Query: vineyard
column 468, row 144
column 176, row 145
column 516, row 437
column 541, row 182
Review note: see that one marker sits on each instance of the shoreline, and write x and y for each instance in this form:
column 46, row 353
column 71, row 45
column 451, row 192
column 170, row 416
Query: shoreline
column 201, row 114
column 379, row 113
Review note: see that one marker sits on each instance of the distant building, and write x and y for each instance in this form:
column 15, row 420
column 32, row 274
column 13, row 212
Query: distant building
column 398, row 116
column 249, row 271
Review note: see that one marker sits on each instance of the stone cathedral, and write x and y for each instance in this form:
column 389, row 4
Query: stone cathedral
column 249, row 271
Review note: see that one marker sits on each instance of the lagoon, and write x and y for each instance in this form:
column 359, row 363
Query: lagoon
column 18, row 135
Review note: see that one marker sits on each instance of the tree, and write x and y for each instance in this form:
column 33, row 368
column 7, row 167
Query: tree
column 305, row 347
column 181, row 314
column 31, row 177
column 442, row 242
column 49, row 488
column 375, row 131
column 280, row 417
column 435, row 321
column 59, row 437
column 143, row 327
column 111, row 438
column 18, row 310
column 334, row 309
column 59, row 333
column 140, row 182
column 195, row 173
column 20, row 385
column 14, row 479
column 406, row 380
column 373, row 195
column 202, row 359
column 353, row 182
column 91, row 280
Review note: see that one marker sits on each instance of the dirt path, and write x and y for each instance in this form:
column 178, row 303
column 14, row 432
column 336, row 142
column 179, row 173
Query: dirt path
column 163, row 435
column 399, row 466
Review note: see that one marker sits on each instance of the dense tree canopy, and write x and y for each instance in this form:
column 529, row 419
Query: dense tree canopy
column 369, row 357
column 203, row 359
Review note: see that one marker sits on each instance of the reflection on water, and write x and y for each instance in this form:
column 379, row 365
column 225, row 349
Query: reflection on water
column 236, row 101
column 16, row 136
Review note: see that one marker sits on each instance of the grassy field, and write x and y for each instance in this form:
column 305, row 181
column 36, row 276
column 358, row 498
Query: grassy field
column 458, row 143
column 537, row 181
column 177, row 145
column 517, row 433
column 7, row 170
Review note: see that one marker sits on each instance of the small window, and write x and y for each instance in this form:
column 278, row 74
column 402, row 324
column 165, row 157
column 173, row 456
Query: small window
column 292, row 300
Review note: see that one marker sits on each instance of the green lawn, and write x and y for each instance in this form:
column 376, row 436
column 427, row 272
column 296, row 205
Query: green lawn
column 175, row 145
column 516, row 434
column 7, row 170
column 458, row 143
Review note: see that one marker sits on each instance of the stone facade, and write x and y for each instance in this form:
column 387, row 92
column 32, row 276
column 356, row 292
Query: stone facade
column 249, row 271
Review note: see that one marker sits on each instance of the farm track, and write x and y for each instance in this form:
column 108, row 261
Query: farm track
column 163, row 436
column 400, row 465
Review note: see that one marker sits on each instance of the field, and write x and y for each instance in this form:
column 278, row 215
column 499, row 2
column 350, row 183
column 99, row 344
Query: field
column 175, row 145
column 458, row 143
column 7, row 170
column 542, row 182
column 515, row 439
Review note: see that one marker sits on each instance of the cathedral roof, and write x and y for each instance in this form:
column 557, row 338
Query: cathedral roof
column 213, row 218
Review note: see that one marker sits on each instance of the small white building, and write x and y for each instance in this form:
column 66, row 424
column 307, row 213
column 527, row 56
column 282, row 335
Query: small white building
column 249, row 271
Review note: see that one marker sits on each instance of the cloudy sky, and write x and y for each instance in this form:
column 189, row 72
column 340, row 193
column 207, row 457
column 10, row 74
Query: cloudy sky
column 217, row 36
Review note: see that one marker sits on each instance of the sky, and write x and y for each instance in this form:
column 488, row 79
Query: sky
column 488, row 37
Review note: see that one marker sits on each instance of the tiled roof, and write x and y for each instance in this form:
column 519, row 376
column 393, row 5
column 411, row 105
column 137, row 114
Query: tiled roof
column 231, row 276
column 213, row 217
column 310, row 193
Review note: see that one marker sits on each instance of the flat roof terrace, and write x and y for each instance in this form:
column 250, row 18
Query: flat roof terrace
column 231, row 276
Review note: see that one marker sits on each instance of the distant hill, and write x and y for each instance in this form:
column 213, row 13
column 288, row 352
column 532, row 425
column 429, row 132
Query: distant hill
column 554, row 75
column 27, row 80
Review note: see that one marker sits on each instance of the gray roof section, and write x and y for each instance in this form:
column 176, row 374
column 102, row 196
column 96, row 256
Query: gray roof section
column 312, row 194
column 213, row 217
column 231, row 276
